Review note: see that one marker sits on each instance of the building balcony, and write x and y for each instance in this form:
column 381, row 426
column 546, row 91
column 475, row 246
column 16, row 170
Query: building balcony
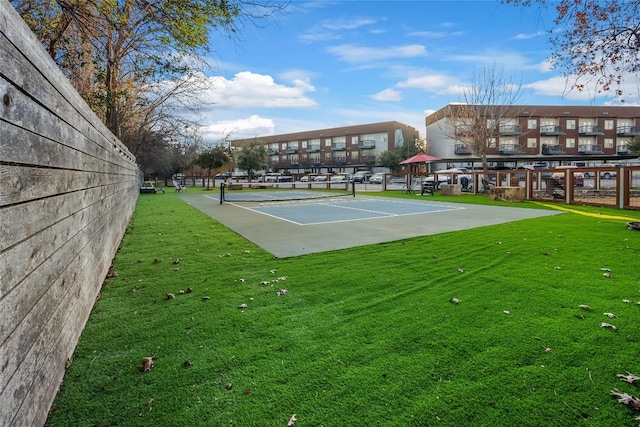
column 338, row 147
column 551, row 130
column 315, row 162
column 464, row 130
column 272, row 151
column 290, row 164
column 623, row 149
column 510, row 130
column 590, row 149
column 313, row 149
column 461, row 149
column 339, row 160
column 590, row 130
column 292, row 150
column 552, row 149
column 368, row 160
column 367, row 144
column 508, row 149
column 628, row 131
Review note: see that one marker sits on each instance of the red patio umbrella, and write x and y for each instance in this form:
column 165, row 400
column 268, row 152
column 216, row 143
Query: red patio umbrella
column 418, row 158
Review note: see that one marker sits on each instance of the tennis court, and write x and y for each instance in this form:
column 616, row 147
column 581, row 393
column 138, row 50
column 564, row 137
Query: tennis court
column 298, row 227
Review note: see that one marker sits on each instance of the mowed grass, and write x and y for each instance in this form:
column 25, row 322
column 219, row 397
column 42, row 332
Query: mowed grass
column 366, row 336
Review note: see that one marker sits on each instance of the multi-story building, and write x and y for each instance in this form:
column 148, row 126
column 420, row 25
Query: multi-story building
column 344, row 149
column 540, row 133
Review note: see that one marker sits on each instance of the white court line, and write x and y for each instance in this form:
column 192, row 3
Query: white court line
column 314, row 202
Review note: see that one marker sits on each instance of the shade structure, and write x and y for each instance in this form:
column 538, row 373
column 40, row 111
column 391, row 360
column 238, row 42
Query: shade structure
column 419, row 158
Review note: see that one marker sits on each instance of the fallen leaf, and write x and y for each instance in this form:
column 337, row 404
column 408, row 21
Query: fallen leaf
column 626, row 301
column 629, row 378
column 242, row 306
column 608, row 325
column 455, row 300
column 228, row 386
column 205, row 298
column 282, row 292
column 610, row 315
column 147, row 364
column 626, row 399
column 247, row 390
column 607, row 275
column 170, row 296
column 188, row 363
column 292, row 420
column 548, row 350
column 177, row 260
column 559, row 268
column 68, row 364
column 506, row 311
column 189, row 290
column 460, row 270
column 584, row 307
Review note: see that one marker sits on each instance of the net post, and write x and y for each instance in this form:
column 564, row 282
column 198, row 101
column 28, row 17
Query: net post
column 221, row 192
column 353, row 188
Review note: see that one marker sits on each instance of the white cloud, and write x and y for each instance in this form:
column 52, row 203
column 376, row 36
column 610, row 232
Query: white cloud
column 331, row 30
column 355, row 54
column 434, row 83
column 238, row 128
column 251, row 90
column 387, row 95
column 527, row 36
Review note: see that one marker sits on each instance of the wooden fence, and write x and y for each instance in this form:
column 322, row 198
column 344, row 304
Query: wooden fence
column 68, row 188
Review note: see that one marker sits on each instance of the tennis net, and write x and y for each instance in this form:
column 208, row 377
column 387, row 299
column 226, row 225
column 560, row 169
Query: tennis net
column 281, row 192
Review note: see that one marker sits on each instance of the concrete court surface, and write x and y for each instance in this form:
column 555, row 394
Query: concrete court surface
column 284, row 238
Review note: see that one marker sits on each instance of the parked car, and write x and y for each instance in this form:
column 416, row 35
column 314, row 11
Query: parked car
column 361, row 176
column 320, row 178
column 338, row 179
column 578, row 177
column 376, row 178
column 304, row 178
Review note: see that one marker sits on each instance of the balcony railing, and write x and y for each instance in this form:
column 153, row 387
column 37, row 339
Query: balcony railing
column 590, row 149
column 369, row 160
column 461, row 149
column 338, row 147
column 510, row 149
column 590, row 130
column 313, row 149
column 551, row 130
column 510, row 130
column 315, row 161
column 339, row 160
column 292, row 150
column 628, row 131
column 552, row 149
column 290, row 164
column 367, row 144
column 623, row 149
column 272, row 151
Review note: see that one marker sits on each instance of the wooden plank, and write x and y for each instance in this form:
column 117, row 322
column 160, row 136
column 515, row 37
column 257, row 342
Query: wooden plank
column 44, row 360
column 42, row 74
column 27, row 113
column 19, row 184
column 21, row 259
column 25, row 219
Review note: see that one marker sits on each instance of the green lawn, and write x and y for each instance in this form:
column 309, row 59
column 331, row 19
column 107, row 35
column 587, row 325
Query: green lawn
column 366, row 336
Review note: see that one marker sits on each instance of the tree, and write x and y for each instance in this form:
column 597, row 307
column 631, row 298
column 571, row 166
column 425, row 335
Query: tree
column 390, row 159
column 595, row 38
column 634, row 146
column 128, row 57
column 212, row 158
column 251, row 158
column 488, row 103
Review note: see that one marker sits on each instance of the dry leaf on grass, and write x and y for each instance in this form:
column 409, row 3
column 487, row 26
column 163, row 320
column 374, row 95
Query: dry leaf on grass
column 147, row 364
column 170, row 296
column 626, row 399
column 608, row 325
column 292, row 420
column 584, row 307
column 242, row 306
column 629, row 378
column 610, row 315
column 228, row 386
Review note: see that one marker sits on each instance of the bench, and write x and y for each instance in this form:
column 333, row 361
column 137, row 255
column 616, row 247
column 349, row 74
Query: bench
column 234, row 186
column 427, row 187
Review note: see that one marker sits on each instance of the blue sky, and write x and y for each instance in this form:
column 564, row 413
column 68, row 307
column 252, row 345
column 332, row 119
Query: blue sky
column 326, row 64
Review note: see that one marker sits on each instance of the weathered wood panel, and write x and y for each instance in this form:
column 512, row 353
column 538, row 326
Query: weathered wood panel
column 68, row 188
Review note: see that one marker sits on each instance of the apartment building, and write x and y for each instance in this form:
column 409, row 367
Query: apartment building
column 541, row 133
column 343, row 149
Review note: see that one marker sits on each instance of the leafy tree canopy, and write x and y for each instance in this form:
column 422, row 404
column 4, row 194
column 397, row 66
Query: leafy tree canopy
column 251, row 158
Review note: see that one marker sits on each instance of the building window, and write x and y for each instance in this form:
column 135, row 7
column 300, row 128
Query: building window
column 354, row 155
column 492, row 143
column 327, row 142
column 304, row 144
column 608, row 142
column 532, row 123
column 571, row 124
column 571, row 142
column 608, row 125
column 284, row 146
column 354, row 140
column 532, row 142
